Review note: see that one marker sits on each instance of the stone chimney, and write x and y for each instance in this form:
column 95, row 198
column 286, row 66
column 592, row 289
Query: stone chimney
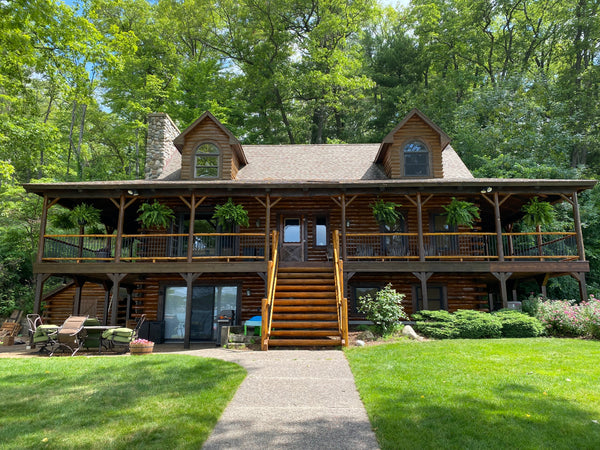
column 162, row 157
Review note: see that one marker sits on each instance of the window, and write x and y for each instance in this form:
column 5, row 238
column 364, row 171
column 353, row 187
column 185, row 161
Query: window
column 361, row 291
column 321, row 231
column 416, row 159
column 207, row 161
column 291, row 231
column 436, row 297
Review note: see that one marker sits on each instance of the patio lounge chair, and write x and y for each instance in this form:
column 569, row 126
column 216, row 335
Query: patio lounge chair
column 118, row 339
column 69, row 336
column 39, row 334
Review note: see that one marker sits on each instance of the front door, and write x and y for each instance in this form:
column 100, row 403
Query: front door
column 292, row 238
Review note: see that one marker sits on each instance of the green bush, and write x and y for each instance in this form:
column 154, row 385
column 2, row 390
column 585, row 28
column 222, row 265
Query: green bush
column 516, row 324
column 531, row 305
column 477, row 324
column 435, row 324
column 385, row 310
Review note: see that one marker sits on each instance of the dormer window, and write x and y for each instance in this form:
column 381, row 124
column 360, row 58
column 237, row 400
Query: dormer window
column 207, row 161
column 416, row 159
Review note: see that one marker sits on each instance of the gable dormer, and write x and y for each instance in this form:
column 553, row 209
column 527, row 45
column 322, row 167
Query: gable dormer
column 209, row 151
column 413, row 149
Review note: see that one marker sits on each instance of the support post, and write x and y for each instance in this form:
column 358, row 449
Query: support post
column 79, row 282
column 267, row 227
column 116, row 279
column 107, row 288
column 190, row 246
column 580, row 277
column 579, row 235
column 502, row 277
column 189, row 280
column 39, row 290
column 343, row 199
column 498, row 227
column 420, row 227
column 120, row 224
column 43, row 220
column 423, row 277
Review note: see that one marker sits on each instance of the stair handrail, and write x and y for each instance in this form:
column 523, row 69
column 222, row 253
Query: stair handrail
column 341, row 301
column 267, row 302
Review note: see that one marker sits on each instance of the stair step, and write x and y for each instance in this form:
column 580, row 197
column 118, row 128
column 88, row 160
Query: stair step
column 304, row 294
column 304, row 324
column 304, row 316
column 304, row 333
column 329, row 281
column 302, row 275
column 283, row 269
column 305, row 287
column 304, row 301
column 304, row 342
column 304, row 308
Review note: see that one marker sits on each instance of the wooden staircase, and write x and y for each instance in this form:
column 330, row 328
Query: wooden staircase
column 304, row 308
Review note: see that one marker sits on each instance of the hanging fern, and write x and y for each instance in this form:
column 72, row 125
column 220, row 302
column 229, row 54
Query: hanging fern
column 461, row 213
column 538, row 213
column 155, row 215
column 229, row 214
column 386, row 213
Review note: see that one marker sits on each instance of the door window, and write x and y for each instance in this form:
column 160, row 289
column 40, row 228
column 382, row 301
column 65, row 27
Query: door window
column 291, row 231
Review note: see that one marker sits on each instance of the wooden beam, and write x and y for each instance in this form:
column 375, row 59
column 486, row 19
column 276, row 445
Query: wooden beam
column 79, row 282
column 567, row 199
column 506, row 197
column 423, row 277
column 577, row 224
column 189, row 280
column 351, row 200
column 120, row 225
column 107, row 288
column 336, row 201
column 420, row 228
column 184, row 200
column 488, row 199
column 116, row 279
column 427, row 199
column 40, row 279
column 498, row 221
column 190, row 246
column 199, row 202
column 409, row 198
column 43, row 222
column 580, row 277
column 343, row 200
column 502, row 277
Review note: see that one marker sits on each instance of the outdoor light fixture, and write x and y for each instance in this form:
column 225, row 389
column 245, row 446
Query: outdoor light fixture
column 486, row 190
column 257, row 223
column 347, row 223
column 248, row 292
column 132, row 192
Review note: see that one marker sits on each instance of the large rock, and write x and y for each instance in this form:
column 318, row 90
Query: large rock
column 411, row 333
column 366, row 336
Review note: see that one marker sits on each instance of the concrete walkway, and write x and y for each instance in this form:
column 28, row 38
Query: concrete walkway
column 292, row 399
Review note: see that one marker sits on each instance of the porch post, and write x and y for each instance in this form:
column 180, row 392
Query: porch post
column 580, row 277
column 116, row 279
column 39, row 289
column 79, row 282
column 420, row 230
column 423, row 277
column 189, row 281
column 502, row 277
column 107, row 288
column 44, row 219
column 579, row 235
column 344, row 227
column 121, row 221
column 498, row 227
column 190, row 246
column 268, row 228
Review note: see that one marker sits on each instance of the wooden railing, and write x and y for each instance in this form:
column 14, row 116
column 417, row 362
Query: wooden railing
column 267, row 303
column 154, row 247
column 461, row 246
column 341, row 301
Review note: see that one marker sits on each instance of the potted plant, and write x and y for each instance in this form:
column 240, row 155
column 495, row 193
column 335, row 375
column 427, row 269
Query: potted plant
column 461, row 213
column 155, row 216
column 537, row 214
column 141, row 347
column 229, row 215
column 386, row 213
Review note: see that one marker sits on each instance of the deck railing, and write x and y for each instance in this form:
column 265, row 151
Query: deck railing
column 461, row 246
column 341, row 301
column 154, row 247
column 268, row 301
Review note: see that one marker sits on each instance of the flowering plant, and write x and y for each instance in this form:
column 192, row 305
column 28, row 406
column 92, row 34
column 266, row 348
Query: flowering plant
column 140, row 342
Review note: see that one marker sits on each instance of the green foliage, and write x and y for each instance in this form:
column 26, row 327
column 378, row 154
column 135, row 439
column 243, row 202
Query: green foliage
column 229, row 214
column 386, row 213
column 516, row 324
column 155, row 215
column 436, row 324
column 531, row 305
column 477, row 324
column 461, row 213
column 385, row 309
column 78, row 217
column 538, row 213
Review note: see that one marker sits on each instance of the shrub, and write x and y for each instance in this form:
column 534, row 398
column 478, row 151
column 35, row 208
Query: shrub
column 477, row 324
column 516, row 324
column 561, row 318
column 384, row 310
column 590, row 311
column 435, row 324
column 531, row 305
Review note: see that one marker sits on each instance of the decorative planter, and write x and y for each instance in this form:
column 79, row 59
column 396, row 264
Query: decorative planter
column 141, row 349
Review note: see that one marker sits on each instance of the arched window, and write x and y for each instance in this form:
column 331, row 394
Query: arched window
column 207, row 161
column 416, row 159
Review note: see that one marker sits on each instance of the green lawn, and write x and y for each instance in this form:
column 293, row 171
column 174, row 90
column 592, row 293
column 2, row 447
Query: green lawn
column 502, row 393
column 154, row 401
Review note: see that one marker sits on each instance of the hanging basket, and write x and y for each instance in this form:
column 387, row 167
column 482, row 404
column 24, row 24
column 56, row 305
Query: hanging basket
column 141, row 348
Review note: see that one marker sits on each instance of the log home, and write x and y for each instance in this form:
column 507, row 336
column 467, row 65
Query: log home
column 312, row 245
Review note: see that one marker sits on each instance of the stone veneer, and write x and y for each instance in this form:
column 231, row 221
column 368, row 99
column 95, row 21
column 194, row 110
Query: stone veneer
column 160, row 150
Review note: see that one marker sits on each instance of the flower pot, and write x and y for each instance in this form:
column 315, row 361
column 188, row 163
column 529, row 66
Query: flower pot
column 141, row 349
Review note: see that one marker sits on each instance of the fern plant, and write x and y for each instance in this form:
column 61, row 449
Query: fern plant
column 461, row 213
column 155, row 215
column 386, row 213
column 538, row 213
column 229, row 214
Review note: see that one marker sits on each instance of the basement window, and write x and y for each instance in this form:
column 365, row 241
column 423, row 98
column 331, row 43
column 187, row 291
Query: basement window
column 436, row 297
column 207, row 161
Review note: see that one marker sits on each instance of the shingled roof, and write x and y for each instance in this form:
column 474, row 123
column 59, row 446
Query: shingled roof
column 327, row 162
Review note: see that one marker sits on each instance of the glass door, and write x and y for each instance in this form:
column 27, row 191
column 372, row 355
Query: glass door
column 292, row 238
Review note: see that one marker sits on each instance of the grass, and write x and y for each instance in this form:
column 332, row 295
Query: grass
column 482, row 394
column 154, row 401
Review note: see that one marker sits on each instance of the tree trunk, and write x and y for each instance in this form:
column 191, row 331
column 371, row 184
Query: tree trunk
column 79, row 159
column 71, row 145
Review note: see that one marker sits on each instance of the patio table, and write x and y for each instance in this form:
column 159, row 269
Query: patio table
column 101, row 329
